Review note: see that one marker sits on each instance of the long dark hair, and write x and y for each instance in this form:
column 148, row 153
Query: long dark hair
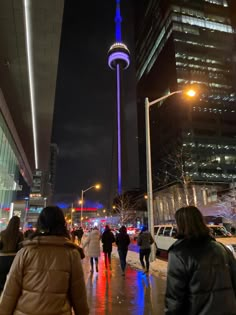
column 11, row 233
column 190, row 223
column 51, row 221
column 13, row 225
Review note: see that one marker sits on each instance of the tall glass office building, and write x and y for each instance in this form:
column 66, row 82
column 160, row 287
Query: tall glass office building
column 28, row 71
column 13, row 163
column 9, row 169
column 179, row 43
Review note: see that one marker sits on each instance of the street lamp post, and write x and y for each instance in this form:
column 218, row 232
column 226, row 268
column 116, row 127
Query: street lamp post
column 82, row 200
column 148, row 104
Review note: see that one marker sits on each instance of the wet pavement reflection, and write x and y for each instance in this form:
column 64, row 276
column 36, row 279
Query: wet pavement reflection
column 111, row 293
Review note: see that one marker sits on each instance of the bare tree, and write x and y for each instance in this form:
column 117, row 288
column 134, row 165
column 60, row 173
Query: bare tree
column 124, row 206
column 226, row 206
column 175, row 168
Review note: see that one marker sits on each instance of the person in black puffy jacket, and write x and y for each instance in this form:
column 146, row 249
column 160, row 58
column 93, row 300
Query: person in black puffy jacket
column 201, row 276
column 122, row 242
column 144, row 241
column 107, row 239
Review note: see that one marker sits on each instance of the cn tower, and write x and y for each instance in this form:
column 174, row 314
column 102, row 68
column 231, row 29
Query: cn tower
column 118, row 60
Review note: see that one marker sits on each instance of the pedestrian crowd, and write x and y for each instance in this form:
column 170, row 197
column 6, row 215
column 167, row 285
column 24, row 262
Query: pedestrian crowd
column 41, row 271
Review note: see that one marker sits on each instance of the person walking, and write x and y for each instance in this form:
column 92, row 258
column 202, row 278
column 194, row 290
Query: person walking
column 93, row 244
column 201, row 275
column 144, row 241
column 107, row 239
column 122, row 242
column 79, row 233
column 46, row 276
column 10, row 238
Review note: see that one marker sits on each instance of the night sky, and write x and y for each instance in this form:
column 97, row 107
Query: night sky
column 85, row 101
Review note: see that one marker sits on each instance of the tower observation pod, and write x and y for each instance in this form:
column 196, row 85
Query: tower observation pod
column 118, row 60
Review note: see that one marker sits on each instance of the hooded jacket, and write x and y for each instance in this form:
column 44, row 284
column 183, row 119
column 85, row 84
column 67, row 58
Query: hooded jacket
column 46, row 277
column 145, row 240
column 93, row 243
column 122, row 241
column 107, row 239
column 201, row 278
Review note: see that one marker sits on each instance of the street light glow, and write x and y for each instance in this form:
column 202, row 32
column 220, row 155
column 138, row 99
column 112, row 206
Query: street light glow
column 97, row 186
column 191, row 92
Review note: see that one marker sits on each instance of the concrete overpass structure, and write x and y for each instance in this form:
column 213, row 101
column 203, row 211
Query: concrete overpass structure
column 30, row 33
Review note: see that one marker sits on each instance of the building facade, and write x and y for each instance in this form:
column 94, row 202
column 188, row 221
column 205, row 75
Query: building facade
column 28, row 70
column 181, row 43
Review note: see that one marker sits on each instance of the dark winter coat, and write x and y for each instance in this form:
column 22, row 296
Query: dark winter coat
column 107, row 239
column 79, row 233
column 7, row 253
column 122, row 241
column 145, row 240
column 201, row 279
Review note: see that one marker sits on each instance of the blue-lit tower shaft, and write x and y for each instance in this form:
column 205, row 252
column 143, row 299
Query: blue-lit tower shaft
column 118, row 60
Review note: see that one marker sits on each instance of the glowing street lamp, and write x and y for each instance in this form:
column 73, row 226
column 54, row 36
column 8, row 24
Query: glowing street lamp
column 186, row 92
column 191, row 92
column 97, row 186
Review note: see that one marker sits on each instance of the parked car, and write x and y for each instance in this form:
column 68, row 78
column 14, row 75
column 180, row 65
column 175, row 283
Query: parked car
column 164, row 236
column 133, row 232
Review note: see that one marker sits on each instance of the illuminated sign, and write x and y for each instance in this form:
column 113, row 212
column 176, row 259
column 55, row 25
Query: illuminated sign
column 86, row 209
column 35, row 209
column 35, row 196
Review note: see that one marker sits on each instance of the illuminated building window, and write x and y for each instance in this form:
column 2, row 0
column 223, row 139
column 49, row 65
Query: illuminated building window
column 194, row 43
column 203, row 23
column 218, row 2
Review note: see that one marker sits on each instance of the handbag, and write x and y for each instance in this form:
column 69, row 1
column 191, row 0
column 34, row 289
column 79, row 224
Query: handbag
column 81, row 251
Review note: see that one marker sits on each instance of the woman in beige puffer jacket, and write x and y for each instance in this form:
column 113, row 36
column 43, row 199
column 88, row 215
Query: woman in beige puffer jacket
column 46, row 276
column 93, row 244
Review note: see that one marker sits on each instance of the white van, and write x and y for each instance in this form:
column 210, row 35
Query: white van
column 164, row 236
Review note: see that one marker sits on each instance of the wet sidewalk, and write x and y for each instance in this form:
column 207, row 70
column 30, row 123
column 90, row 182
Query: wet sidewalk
column 133, row 294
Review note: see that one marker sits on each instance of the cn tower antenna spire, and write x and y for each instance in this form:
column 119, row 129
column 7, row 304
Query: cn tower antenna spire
column 118, row 20
column 118, row 60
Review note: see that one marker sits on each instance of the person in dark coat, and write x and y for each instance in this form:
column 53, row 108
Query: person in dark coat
column 10, row 238
column 201, row 276
column 122, row 242
column 144, row 241
column 107, row 239
column 79, row 233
